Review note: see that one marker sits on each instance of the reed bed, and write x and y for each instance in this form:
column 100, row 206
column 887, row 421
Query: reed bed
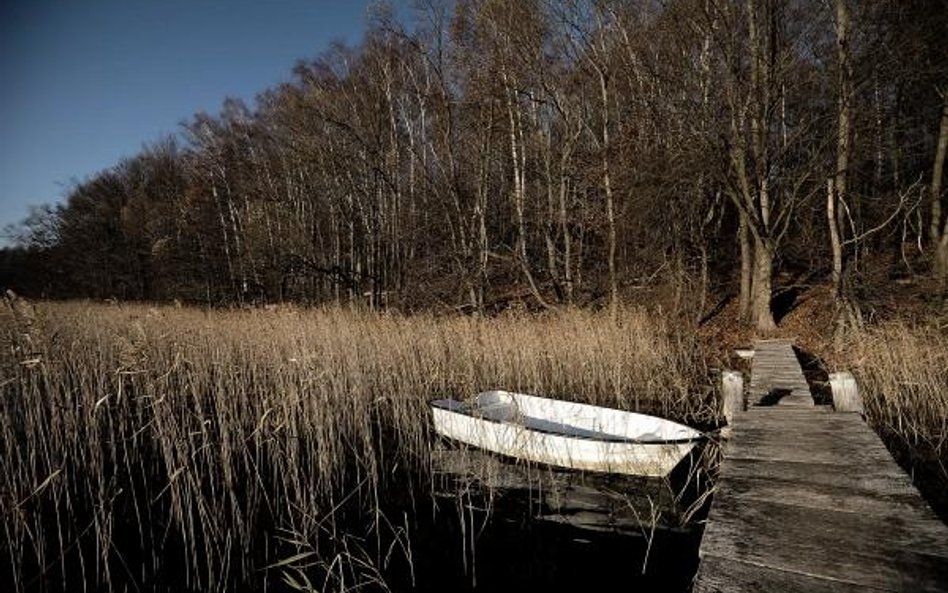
column 138, row 442
column 901, row 372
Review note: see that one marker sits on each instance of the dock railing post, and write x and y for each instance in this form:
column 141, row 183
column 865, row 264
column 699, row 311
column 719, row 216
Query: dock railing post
column 732, row 392
column 846, row 396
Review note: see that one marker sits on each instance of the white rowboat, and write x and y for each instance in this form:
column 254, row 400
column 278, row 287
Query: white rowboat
column 566, row 434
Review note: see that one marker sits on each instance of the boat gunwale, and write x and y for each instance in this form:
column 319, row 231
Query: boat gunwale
column 439, row 403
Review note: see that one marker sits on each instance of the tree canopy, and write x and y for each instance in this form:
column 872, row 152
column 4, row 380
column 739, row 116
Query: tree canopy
column 554, row 153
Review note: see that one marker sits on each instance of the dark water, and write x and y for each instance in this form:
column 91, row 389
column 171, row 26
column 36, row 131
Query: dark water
column 466, row 538
column 440, row 546
column 581, row 538
column 520, row 554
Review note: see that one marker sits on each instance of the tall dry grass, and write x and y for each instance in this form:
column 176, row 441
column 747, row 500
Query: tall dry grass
column 902, row 372
column 138, row 441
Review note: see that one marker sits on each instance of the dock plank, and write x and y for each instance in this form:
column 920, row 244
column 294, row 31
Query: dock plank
column 878, row 496
column 720, row 575
column 884, row 554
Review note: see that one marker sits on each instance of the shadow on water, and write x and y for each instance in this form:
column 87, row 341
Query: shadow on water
column 504, row 527
column 514, row 553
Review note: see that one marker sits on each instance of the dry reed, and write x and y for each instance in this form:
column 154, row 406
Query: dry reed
column 130, row 434
column 901, row 372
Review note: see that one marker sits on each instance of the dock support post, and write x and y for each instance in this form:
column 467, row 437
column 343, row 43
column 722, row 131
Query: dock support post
column 732, row 392
column 846, row 396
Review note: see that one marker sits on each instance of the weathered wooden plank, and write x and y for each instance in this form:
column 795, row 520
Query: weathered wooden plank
column 884, row 478
column 809, row 449
column 823, row 430
column 797, row 401
column 814, row 426
column 846, row 500
column 830, row 427
column 808, row 432
column 718, row 575
column 880, row 480
column 836, row 545
column 773, row 418
column 765, row 376
column 889, row 503
column 777, row 378
column 915, row 526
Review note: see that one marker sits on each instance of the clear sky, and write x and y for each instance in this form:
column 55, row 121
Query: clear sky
column 87, row 82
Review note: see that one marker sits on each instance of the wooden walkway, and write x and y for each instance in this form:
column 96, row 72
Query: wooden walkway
column 777, row 378
column 810, row 500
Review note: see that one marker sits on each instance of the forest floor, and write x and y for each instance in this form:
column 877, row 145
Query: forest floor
column 806, row 318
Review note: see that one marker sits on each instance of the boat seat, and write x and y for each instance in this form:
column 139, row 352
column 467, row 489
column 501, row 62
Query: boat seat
column 499, row 411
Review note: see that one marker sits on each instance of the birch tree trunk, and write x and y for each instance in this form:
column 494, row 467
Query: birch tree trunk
column 519, row 160
column 837, row 187
column 564, row 229
column 610, row 203
column 600, row 65
column 835, row 242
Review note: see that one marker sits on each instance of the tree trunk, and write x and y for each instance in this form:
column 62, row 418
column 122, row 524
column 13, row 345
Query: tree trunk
column 760, row 88
column 937, row 230
column 835, row 242
column 941, row 251
column 607, row 185
column 567, row 243
column 763, row 278
column 941, row 261
column 747, row 268
column 940, row 229
column 519, row 160
column 837, row 186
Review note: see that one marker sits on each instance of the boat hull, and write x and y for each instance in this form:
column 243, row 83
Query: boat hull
column 547, row 440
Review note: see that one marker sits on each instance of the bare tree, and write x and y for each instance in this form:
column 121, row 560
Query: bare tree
column 939, row 227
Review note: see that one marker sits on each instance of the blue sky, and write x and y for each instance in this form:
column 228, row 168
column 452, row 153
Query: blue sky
column 88, row 82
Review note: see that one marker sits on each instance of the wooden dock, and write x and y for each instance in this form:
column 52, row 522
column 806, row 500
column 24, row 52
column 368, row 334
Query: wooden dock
column 809, row 499
column 778, row 378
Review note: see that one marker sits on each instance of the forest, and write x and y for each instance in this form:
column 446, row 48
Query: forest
column 542, row 153
column 218, row 356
